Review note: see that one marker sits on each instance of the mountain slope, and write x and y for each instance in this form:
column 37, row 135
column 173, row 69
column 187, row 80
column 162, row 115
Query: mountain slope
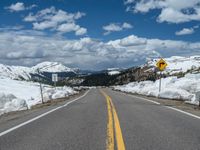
column 26, row 73
column 177, row 64
column 15, row 72
column 51, row 67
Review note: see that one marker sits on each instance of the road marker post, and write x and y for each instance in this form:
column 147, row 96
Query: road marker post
column 197, row 96
column 161, row 65
column 41, row 91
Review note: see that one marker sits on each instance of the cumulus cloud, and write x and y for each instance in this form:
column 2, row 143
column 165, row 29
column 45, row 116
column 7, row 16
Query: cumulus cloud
column 20, row 48
column 172, row 11
column 57, row 20
column 115, row 27
column 10, row 28
column 186, row 31
column 19, row 6
column 69, row 27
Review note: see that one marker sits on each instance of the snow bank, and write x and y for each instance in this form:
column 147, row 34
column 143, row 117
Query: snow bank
column 19, row 95
column 58, row 92
column 113, row 73
column 172, row 88
column 177, row 64
column 9, row 102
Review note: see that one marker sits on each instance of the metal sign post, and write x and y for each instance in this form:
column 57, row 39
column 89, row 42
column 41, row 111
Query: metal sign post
column 161, row 65
column 160, row 82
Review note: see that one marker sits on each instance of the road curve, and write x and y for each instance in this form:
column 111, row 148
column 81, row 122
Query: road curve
column 86, row 124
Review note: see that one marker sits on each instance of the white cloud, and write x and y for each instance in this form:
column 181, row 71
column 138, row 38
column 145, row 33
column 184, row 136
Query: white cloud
column 30, row 18
column 172, row 11
column 69, row 27
column 185, row 31
column 20, row 47
column 32, row 6
column 81, row 31
column 115, row 27
column 127, row 25
column 10, row 28
column 19, row 6
column 57, row 20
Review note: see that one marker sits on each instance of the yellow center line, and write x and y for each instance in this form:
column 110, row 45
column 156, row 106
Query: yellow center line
column 112, row 117
column 110, row 130
column 118, row 131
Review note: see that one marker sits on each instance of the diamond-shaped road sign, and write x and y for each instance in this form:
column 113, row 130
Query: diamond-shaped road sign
column 161, row 64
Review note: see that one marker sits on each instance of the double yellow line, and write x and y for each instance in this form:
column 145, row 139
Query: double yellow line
column 113, row 125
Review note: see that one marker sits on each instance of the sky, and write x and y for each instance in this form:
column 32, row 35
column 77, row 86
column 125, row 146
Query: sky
column 97, row 34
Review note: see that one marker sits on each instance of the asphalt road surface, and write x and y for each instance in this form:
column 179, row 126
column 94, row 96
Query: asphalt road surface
column 103, row 120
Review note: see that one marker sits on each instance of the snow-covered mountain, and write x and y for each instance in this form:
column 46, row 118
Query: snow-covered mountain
column 25, row 73
column 51, row 67
column 15, row 72
column 177, row 64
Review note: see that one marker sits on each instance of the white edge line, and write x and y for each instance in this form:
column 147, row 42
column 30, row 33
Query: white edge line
column 157, row 103
column 40, row 116
column 184, row 112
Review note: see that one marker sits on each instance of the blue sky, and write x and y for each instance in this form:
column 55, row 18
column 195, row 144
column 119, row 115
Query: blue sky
column 93, row 34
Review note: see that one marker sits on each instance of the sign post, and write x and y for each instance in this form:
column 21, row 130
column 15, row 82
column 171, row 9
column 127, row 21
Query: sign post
column 160, row 82
column 55, row 78
column 197, row 95
column 41, row 92
column 161, row 65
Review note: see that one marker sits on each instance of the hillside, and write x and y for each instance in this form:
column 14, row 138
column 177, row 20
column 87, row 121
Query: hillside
column 31, row 73
column 179, row 80
column 177, row 66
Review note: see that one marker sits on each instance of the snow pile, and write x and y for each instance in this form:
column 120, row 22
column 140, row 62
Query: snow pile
column 9, row 102
column 113, row 73
column 178, row 64
column 19, row 95
column 172, row 88
column 58, row 92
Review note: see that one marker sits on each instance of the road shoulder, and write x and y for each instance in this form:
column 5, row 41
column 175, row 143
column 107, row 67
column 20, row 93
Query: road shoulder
column 177, row 104
column 11, row 119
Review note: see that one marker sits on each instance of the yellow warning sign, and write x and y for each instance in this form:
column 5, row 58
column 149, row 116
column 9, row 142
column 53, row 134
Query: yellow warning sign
column 161, row 64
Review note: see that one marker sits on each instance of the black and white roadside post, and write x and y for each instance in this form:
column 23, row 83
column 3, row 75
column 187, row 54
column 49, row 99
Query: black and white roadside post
column 41, row 91
column 54, row 78
column 160, row 81
column 197, row 96
column 161, row 65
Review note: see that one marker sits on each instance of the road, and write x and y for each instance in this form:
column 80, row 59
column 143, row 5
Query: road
column 105, row 120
